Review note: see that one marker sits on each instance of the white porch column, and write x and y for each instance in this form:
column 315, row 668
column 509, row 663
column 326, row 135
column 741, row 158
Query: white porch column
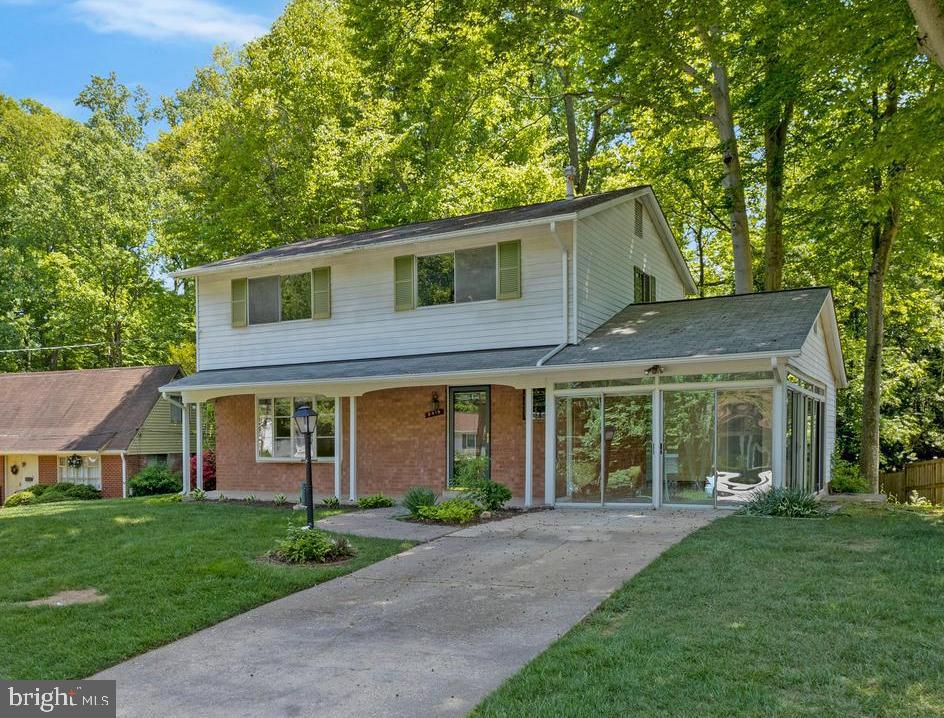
column 657, row 448
column 528, row 445
column 338, row 446
column 352, row 444
column 778, row 461
column 124, row 476
column 550, row 443
column 199, row 409
column 185, row 447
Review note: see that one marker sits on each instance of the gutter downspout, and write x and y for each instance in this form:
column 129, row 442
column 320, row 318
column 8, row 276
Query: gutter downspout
column 124, row 476
column 565, row 284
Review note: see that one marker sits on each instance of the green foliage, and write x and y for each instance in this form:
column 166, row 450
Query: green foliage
column 20, row 498
column 304, row 545
column 377, row 501
column 250, row 499
column 418, row 497
column 153, row 480
column 784, row 502
column 163, row 499
column 279, row 500
column 847, row 478
column 469, row 470
column 331, row 502
column 490, row 495
column 198, row 495
column 451, row 511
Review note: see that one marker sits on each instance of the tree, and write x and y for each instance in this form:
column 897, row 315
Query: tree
column 929, row 15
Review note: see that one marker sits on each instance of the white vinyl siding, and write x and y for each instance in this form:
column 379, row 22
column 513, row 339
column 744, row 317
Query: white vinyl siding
column 608, row 250
column 814, row 362
column 364, row 322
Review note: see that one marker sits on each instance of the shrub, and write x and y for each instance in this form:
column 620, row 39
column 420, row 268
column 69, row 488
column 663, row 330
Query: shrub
column 490, row 495
column 66, row 491
column 847, row 479
column 332, row 502
column 38, row 489
column 453, row 511
column 377, row 501
column 790, row 503
column 467, row 470
column 153, row 480
column 304, row 544
column 250, row 499
column 20, row 498
column 416, row 497
column 209, row 470
column 279, row 500
column 198, row 495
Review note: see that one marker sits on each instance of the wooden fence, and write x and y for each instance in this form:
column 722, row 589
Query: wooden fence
column 925, row 477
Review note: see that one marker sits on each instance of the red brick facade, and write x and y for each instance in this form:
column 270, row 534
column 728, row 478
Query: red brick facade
column 48, row 469
column 397, row 446
column 111, row 473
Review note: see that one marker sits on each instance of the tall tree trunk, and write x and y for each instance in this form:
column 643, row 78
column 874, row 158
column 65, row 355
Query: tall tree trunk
column 775, row 148
column 883, row 237
column 733, row 180
column 929, row 15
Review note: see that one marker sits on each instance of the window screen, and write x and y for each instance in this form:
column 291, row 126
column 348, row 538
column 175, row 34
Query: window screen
column 263, row 300
column 475, row 274
column 434, row 279
column 296, row 296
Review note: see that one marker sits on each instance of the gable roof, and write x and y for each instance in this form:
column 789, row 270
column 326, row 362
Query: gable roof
column 560, row 209
column 765, row 324
column 79, row 410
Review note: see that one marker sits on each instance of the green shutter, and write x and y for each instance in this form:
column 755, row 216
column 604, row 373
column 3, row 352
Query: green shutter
column 239, row 297
column 321, row 293
column 404, row 297
column 509, row 269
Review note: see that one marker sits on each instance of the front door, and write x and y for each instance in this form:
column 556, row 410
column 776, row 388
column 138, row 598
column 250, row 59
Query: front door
column 469, row 435
column 22, row 472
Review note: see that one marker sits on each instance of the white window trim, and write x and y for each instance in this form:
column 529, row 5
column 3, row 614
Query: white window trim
column 453, row 303
column 314, row 438
column 96, row 483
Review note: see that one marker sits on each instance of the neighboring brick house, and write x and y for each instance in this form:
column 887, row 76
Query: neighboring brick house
column 90, row 426
column 421, row 346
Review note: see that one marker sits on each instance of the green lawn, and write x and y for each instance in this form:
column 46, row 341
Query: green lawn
column 760, row 617
column 167, row 570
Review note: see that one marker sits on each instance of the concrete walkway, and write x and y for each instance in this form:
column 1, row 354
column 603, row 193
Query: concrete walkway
column 429, row 632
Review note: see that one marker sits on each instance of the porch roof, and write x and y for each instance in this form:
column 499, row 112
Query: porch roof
column 773, row 324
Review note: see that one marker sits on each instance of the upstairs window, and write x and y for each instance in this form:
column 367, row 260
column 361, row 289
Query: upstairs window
column 281, row 298
column 644, row 289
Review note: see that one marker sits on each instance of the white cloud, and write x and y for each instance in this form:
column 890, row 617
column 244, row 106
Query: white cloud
column 168, row 19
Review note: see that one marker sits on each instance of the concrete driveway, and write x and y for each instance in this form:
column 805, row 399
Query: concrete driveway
column 431, row 631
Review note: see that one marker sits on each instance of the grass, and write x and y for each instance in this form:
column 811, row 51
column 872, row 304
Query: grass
column 757, row 617
column 167, row 569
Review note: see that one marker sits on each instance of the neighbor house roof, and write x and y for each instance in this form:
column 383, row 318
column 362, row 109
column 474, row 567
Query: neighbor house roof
column 558, row 209
column 739, row 326
column 80, row 410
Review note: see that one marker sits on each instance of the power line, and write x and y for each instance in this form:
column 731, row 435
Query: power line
column 64, row 346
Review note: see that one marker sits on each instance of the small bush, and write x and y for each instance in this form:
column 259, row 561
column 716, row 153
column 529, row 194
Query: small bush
column 332, row 502
column 847, row 479
column 490, row 495
column 20, row 498
column 38, row 489
column 66, row 491
column 377, row 501
column 789, row 503
column 468, row 470
column 198, row 495
column 453, row 511
column 304, row 544
column 279, row 500
column 209, row 470
column 250, row 499
column 153, row 480
column 417, row 497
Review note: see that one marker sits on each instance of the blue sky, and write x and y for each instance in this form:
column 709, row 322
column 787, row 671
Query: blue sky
column 50, row 48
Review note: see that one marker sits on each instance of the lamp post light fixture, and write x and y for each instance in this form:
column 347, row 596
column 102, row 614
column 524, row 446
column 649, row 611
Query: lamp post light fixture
column 305, row 418
column 608, row 433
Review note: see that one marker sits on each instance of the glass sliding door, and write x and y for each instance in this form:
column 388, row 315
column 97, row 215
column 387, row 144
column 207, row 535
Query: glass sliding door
column 688, row 462
column 469, row 440
column 627, row 444
column 578, row 449
column 804, row 438
column 745, row 444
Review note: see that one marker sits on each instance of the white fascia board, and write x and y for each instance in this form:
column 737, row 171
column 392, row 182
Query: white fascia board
column 520, row 376
column 834, row 342
column 257, row 263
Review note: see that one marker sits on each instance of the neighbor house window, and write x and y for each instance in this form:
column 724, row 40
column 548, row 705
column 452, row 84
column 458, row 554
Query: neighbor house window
column 281, row 298
column 465, row 275
column 275, row 431
column 80, row 470
column 644, row 289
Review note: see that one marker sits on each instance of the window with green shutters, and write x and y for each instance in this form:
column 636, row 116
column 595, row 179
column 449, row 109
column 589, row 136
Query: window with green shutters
column 509, row 269
column 321, row 293
column 239, row 293
column 404, row 295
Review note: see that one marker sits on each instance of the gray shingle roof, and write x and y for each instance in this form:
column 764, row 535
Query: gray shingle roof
column 770, row 322
column 420, row 230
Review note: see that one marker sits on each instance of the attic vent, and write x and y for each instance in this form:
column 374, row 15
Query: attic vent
column 637, row 218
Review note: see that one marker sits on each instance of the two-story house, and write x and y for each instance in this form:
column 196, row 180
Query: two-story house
column 550, row 347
